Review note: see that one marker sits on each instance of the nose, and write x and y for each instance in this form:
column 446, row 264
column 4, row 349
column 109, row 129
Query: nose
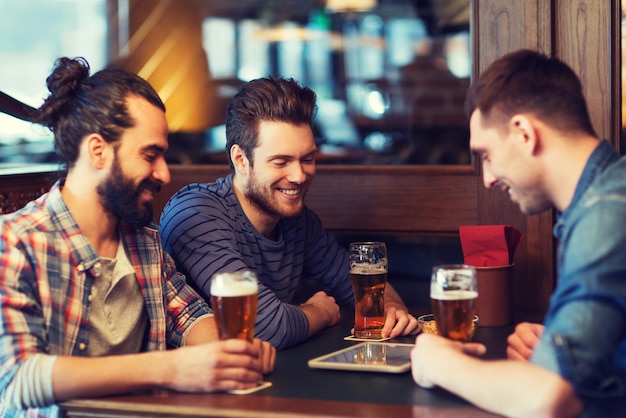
column 297, row 173
column 489, row 180
column 161, row 171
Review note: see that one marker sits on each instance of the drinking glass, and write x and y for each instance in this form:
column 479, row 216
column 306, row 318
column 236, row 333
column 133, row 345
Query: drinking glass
column 453, row 293
column 234, row 303
column 368, row 273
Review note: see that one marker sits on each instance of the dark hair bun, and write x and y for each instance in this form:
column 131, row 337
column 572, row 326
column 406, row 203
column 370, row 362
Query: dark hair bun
column 64, row 84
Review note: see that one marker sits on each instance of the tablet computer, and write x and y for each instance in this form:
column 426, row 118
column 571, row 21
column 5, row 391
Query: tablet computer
column 368, row 357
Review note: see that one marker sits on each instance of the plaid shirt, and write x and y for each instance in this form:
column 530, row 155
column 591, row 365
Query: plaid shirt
column 47, row 268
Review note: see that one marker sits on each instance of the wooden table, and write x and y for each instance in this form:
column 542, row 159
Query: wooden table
column 299, row 391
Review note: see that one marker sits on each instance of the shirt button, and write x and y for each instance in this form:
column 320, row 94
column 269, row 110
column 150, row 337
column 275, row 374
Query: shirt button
column 82, row 346
column 81, row 267
column 90, row 297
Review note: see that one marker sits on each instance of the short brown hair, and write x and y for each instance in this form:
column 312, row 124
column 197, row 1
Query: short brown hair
column 527, row 81
column 266, row 99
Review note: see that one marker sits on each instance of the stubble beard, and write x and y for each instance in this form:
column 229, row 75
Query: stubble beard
column 262, row 198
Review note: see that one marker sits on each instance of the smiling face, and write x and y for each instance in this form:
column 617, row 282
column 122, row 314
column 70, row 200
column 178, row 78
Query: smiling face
column 282, row 171
column 508, row 162
column 139, row 168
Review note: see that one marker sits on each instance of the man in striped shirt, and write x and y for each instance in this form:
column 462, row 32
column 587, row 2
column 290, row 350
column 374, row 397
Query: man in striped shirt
column 255, row 219
column 89, row 301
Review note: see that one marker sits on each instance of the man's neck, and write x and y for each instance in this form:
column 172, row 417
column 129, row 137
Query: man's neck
column 567, row 164
column 98, row 226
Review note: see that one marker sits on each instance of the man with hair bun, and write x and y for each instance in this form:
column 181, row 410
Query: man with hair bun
column 89, row 301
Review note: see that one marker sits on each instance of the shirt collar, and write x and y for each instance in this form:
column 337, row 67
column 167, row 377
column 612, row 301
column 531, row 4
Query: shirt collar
column 82, row 251
column 601, row 157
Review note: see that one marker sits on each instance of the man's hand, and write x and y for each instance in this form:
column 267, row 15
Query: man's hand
column 523, row 341
column 267, row 355
column 219, row 366
column 321, row 310
column 430, row 350
column 398, row 322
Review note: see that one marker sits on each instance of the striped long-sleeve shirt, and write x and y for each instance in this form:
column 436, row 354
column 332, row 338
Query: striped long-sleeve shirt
column 205, row 229
column 47, row 268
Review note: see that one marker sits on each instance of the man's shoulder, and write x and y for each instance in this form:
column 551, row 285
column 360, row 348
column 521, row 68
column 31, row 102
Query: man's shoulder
column 197, row 203
column 34, row 216
column 611, row 183
column 200, row 195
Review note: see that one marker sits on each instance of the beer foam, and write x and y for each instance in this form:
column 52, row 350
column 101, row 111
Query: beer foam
column 368, row 268
column 440, row 294
column 221, row 286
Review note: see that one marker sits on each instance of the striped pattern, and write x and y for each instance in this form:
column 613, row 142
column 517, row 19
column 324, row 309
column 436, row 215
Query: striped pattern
column 204, row 228
column 47, row 268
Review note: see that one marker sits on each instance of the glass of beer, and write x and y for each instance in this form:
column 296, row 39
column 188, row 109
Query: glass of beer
column 368, row 273
column 453, row 293
column 234, row 303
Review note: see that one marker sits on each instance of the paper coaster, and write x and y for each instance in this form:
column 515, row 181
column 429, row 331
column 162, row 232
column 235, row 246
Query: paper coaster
column 353, row 338
column 260, row 386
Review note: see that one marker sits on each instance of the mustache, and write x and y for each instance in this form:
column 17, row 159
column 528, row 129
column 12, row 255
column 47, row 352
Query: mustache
column 149, row 184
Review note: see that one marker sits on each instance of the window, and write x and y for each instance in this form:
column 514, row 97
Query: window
column 390, row 76
column 33, row 34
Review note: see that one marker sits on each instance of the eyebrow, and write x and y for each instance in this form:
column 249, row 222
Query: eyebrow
column 154, row 148
column 291, row 157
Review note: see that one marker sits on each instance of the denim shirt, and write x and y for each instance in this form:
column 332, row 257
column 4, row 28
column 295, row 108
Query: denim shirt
column 585, row 328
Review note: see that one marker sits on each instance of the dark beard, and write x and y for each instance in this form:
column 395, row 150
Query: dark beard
column 255, row 194
column 120, row 196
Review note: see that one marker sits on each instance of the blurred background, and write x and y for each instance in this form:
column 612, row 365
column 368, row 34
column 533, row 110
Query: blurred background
column 390, row 75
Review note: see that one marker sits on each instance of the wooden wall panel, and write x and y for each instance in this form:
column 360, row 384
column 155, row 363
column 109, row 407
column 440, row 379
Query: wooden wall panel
column 585, row 39
column 505, row 26
column 378, row 200
column 397, row 202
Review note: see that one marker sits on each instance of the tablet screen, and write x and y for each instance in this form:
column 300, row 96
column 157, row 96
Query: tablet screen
column 374, row 356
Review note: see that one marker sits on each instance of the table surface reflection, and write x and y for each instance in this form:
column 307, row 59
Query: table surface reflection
column 300, row 391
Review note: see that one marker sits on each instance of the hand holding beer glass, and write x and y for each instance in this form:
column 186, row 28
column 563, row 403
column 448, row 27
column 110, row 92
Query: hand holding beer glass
column 453, row 293
column 234, row 303
column 368, row 273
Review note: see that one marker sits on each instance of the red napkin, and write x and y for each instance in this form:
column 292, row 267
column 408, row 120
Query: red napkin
column 489, row 245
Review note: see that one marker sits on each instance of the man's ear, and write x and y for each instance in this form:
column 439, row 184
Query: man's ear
column 98, row 150
column 525, row 130
column 239, row 159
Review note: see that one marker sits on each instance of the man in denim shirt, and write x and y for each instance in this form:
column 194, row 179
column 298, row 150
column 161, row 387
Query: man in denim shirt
column 531, row 130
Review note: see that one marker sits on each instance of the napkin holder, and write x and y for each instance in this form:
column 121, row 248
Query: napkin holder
column 495, row 297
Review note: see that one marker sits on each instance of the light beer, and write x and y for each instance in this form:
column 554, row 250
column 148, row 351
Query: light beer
column 234, row 304
column 369, row 291
column 454, row 312
column 371, row 354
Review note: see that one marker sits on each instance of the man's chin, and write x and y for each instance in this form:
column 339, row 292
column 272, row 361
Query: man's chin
column 532, row 210
column 292, row 211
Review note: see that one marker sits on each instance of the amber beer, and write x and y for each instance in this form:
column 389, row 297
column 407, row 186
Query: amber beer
column 234, row 303
column 454, row 312
column 369, row 296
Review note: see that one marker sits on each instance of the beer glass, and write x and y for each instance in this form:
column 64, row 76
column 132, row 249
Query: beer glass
column 234, row 303
column 368, row 273
column 453, row 293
